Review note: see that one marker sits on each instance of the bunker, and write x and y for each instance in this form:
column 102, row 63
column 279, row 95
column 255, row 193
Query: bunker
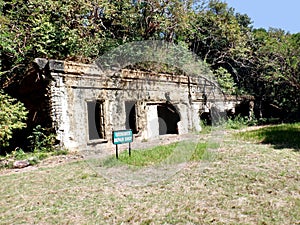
column 83, row 104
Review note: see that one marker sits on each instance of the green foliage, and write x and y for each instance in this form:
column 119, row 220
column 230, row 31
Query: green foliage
column 32, row 157
column 217, row 36
column 81, row 29
column 42, row 146
column 12, row 117
column 273, row 75
column 225, row 81
column 258, row 62
column 18, row 154
column 205, row 128
column 237, row 123
column 40, row 141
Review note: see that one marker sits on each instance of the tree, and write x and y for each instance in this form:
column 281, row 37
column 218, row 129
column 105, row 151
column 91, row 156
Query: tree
column 278, row 71
column 221, row 38
column 81, row 30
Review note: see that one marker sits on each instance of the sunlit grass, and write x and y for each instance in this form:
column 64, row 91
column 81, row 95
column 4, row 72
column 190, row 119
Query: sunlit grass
column 156, row 155
column 247, row 183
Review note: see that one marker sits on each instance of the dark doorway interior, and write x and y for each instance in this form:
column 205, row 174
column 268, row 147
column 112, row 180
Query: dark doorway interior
column 168, row 117
column 96, row 120
column 130, row 123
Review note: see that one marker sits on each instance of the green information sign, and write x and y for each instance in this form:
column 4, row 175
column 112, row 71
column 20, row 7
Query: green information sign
column 122, row 136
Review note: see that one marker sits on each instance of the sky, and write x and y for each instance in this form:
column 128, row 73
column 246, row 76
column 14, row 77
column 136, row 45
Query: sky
column 270, row 13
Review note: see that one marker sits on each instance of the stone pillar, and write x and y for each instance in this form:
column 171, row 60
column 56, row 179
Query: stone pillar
column 152, row 121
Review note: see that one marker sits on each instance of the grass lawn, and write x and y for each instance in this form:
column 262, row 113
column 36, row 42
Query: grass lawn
column 160, row 155
column 280, row 136
column 246, row 182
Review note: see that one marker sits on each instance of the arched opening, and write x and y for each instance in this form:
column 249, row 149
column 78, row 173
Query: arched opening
column 168, row 118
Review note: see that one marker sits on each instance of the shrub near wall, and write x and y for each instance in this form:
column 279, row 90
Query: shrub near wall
column 12, row 116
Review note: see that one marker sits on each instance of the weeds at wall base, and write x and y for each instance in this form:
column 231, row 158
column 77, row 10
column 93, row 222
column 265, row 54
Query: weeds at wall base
column 32, row 158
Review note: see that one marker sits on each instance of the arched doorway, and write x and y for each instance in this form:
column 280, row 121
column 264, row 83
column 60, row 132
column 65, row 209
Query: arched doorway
column 168, row 118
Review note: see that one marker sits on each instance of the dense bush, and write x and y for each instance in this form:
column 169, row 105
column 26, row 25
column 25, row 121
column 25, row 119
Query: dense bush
column 12, row 117
column 41, row 141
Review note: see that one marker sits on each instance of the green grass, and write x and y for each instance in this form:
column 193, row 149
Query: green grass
column 280, row 136
column 159, row 154
column 141, row 157
column 201, row 151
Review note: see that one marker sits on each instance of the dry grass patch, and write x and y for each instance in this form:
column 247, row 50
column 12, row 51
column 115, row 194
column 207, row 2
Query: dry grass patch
column 246, row 183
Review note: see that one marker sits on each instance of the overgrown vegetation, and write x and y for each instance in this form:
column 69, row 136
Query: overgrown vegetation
column 259, row 62
column 42, row 145
column 239, row 122
column 32, row 158
column 40, row 141
column 235, row 123
column 12, row 117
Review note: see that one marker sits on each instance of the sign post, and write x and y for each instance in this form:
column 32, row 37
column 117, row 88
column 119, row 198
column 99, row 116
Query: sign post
column 122, row 137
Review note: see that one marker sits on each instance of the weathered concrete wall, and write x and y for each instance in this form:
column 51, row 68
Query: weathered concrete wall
column 75, row 85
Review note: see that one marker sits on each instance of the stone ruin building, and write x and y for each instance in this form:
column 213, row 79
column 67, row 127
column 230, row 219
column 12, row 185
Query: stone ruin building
column 83, row 105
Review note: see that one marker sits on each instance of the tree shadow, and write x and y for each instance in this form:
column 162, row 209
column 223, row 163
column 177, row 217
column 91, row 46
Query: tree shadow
column 282, row 136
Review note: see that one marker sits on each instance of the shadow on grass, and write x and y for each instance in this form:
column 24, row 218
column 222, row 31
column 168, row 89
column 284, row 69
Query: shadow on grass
column 280, row 136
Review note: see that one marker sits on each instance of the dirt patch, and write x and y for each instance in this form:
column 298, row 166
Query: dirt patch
column 48, row 162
